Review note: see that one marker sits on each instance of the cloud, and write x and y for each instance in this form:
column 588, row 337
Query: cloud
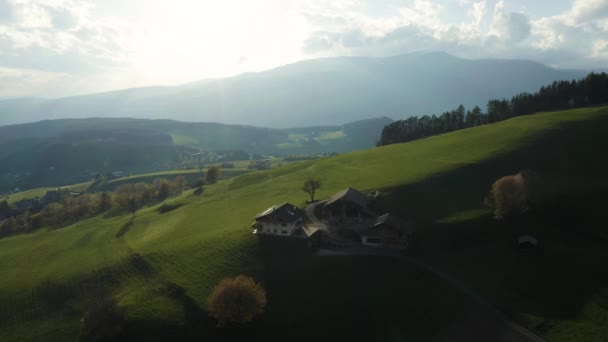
column 6, row 11
column 600, row 49
column 573, row 38
column 588, row 10
column 510, row 27
column 58, row 36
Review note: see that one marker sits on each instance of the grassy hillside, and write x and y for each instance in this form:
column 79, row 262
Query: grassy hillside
column 49, row 278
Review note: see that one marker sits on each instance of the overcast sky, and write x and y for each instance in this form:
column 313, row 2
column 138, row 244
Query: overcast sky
column 67, row 47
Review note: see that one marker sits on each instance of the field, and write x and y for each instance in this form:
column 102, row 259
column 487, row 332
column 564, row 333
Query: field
column 49, row 278
column 39, row 192
column 324, row 139
column 192, row 176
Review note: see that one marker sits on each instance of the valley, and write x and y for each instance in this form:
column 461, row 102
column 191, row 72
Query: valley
column 161, row 271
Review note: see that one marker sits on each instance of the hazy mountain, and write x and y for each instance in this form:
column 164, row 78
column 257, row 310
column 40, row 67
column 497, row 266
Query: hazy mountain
column 324, row 91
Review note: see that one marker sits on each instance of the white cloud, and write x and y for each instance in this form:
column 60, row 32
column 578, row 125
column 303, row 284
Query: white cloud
column 510, row 27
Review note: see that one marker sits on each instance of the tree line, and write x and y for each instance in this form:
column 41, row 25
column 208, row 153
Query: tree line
column 589, row 91
column 69, row 209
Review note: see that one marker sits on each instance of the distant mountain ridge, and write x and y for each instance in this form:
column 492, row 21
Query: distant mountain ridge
column 327, row 91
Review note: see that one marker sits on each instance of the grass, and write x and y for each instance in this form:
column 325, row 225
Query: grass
column 324, row 138
column 439, row 181
column 40, row 192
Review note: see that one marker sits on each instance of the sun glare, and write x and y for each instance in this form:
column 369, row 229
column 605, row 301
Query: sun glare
column 187, row 40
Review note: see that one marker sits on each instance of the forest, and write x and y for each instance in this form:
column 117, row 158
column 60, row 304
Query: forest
column 589, row 91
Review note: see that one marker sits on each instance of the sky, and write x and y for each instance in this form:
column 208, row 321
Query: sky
column 52, row 48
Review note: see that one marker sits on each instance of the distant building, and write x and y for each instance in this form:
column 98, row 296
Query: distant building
column 348, row 203
column 285, row 220
column 387, row 231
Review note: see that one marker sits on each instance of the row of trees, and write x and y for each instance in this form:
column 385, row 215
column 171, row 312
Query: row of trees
column 127, row 197
column 591, row 90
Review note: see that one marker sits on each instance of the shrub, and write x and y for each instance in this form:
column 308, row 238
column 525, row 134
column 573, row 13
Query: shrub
column 515, row 194
column 237, row 300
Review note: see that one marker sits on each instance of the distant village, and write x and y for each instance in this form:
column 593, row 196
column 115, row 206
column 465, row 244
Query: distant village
column 344, row 221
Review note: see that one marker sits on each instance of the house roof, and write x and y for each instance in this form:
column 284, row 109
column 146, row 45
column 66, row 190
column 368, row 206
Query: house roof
column 391, row 221
column 351, row 195
column 286, row 212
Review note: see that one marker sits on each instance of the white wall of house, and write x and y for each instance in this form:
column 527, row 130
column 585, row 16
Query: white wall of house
column 275, row 228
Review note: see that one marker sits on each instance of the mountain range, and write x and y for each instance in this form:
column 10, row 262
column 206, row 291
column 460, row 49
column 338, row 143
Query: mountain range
column 326, row 91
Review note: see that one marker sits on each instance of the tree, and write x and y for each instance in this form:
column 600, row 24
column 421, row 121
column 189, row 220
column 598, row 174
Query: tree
column 126, row 197
column 513, row 195
column 163, row 188
column 237, row 300
column 212, row 174
column 105, row 202
column 5, row 209
column 180, row 184
column 310, row 187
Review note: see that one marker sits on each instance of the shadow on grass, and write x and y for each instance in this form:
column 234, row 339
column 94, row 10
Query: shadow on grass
column 569, row 268
column 125, row 228
column 167, row 207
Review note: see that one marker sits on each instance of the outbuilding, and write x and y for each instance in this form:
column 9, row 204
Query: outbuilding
column 387, row 231
column 348, row 203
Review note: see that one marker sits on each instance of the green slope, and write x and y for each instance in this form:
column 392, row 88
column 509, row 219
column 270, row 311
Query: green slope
column 206, row 239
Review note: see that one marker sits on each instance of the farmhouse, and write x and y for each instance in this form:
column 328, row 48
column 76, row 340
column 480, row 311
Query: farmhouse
column 348, row 203
column 387, row 231
column 285, row 220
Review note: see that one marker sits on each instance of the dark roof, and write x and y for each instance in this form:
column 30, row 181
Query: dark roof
column 391, row 221
column 285, row 212
column 351, row 195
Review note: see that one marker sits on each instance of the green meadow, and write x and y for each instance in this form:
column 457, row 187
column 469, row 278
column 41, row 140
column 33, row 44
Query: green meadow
column 49, row 278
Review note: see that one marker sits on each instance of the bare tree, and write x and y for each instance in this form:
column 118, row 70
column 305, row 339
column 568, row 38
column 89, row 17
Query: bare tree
column 310, row 187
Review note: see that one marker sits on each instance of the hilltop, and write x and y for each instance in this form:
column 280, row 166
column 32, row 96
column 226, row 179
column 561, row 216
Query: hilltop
column 163, row 268
column 326, row 91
